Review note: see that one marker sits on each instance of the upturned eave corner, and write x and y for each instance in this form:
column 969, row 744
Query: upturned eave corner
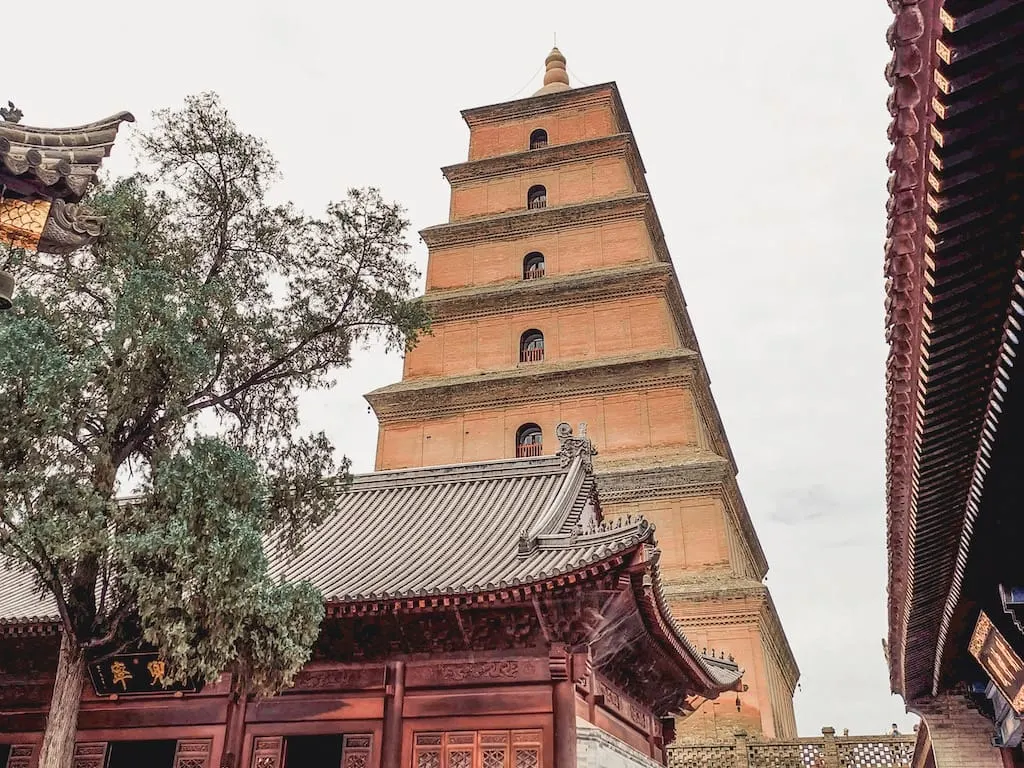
column 713, row 679
column 44, row 174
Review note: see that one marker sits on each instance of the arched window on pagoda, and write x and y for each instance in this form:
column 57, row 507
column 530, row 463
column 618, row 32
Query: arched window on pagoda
column 533, row 265
column 538, row 139
column 531, row 347
column 529, row 441
column 537, row 197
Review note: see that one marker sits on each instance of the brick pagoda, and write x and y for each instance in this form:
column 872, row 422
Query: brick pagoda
column 555, row 300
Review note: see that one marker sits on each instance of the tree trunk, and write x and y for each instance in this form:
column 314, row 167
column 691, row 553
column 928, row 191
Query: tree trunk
column 58, row 749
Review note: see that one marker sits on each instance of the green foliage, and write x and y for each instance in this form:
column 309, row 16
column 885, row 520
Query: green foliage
column 193, row 562
column 168, row 359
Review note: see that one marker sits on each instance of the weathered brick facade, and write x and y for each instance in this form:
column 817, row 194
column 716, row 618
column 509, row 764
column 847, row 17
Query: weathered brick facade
column 619, row 353
column 954, row 735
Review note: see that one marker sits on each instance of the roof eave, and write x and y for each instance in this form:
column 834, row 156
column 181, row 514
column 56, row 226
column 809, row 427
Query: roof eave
column 650, row 597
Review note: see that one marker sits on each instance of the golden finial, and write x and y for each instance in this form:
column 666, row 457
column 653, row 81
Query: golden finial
column 555, row 77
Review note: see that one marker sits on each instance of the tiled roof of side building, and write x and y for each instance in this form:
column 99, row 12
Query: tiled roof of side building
column 455, row 529
column 58, row 163
column 458, row 530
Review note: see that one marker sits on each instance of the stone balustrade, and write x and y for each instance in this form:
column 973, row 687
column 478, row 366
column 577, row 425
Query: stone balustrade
column 826, row 751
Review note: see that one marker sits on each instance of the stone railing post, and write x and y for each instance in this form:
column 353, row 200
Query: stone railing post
column 829, row 750
column 741, row 756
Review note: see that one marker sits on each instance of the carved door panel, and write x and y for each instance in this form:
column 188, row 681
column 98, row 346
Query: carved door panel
column 193, row 753
column 267, row 751
column 478, row 749
column 90, row 754
column 355, row 752
column 23, row 756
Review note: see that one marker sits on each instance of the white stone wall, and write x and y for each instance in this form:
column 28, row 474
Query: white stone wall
column 597, row 749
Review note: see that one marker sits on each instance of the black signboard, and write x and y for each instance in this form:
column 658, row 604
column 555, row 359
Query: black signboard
column 134, row 674
column 1000, row 662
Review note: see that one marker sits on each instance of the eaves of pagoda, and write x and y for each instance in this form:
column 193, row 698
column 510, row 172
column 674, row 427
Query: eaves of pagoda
column 537, row 382
column 575, row 98
column 642, row 279
column 619, row 145
column 631, row 481
column 954, row 314
column 522, row 223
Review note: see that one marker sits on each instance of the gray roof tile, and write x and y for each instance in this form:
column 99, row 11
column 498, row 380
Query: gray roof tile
column 459, row 529
column 455, row 530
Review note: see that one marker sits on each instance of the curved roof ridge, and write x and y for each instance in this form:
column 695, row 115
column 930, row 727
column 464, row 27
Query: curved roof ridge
column 562, row 505
column 55, row 163
column 110, row 121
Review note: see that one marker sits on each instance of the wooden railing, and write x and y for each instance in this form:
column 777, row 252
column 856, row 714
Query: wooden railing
column 528, row 449
column 826, row 751
column 534, row 355
column 533, row 273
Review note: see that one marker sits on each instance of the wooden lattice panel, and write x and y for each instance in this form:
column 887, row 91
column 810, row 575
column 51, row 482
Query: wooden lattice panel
column 873, row 754
column 90, row 754
column 22, row 755
column 267, row 751
column 193, row 753
column 478, row 749
column 355, row 751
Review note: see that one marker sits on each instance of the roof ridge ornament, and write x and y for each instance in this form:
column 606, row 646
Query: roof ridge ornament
column 10, row 113
column 569, row 446
column 556, row 78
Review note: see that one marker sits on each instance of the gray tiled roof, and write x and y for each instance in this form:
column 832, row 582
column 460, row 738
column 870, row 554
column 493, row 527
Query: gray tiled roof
column 20, row 601
column 59, row 163
column 436, row 530
column 457, row 529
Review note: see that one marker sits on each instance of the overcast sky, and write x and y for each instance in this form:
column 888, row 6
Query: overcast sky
column 762, row 126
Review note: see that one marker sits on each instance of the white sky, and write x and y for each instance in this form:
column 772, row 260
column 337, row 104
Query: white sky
column 762, row 126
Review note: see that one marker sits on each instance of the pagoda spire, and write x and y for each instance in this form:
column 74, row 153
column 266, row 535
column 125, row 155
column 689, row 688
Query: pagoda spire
column 555, row 77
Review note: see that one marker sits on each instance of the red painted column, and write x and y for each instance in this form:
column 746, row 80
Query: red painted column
column 563, row 702
column 394, row 702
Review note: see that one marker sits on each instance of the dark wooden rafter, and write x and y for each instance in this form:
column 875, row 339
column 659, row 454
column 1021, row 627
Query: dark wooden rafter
column 952, row 266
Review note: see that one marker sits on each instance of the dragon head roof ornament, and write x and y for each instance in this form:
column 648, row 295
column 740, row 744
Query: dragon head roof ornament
column 570, row 446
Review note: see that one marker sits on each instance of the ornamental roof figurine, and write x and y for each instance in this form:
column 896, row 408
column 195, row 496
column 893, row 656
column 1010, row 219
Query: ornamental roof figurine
column 555, row 77
column 44, row 174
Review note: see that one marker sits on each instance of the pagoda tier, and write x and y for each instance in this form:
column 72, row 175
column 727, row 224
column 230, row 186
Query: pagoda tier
column 554, row 299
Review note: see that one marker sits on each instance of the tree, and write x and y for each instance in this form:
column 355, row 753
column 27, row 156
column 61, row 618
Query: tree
column 167, row 360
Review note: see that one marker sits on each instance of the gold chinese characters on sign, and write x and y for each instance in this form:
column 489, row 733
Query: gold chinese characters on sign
column 135, row 674
column 1001, row 663
column 22, row 222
